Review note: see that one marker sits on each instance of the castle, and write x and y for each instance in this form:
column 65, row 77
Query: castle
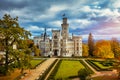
column 61, row 43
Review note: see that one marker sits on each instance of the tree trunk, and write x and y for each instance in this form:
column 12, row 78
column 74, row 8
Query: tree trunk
column 6, row 59
column 22, row 70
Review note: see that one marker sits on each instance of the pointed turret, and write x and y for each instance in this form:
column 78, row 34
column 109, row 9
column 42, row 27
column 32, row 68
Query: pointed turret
column 45, row 34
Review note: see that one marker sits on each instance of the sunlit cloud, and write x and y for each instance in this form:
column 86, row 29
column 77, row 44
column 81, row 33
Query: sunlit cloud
column 101, row 17
column 34, row 28
column 55, row 23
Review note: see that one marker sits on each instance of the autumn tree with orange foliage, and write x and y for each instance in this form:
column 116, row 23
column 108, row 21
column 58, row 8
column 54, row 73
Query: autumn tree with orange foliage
column 85, row 50
column 33, row 47
column 103, row 49
column 115, row 46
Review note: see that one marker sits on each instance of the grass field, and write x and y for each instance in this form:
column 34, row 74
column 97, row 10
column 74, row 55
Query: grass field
column 68, row 68
column 35, row 62
column 16, row 73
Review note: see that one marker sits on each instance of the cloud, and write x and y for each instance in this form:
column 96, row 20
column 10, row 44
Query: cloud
column 55, row 23
column 8, row 4
column 105, row 37
column 99, row 17
column 114, row 4
column 34, row 28
column 56, row 8
column 108, row 28
column 100, row 37
column 80, row 23
column 23, row 14
column 85, row 9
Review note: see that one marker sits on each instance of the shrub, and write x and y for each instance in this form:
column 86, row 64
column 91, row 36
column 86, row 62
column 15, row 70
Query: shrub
column 2, row 69
column 107, row 63
column 83, row 73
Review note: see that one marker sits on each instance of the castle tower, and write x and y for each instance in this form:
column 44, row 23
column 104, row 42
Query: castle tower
column 56, row 42
column 45, row 34
column 65, row 32
column 65, row 35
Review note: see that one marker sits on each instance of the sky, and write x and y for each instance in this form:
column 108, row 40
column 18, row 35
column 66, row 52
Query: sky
column 99, row 17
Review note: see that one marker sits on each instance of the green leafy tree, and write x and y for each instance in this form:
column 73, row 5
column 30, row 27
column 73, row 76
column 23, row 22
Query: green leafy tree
column 30, row 43
column 90, row 44
column 11, row 33
column 83, row 73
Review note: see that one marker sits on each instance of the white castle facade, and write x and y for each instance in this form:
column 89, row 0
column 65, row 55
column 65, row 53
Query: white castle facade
column 60, row 44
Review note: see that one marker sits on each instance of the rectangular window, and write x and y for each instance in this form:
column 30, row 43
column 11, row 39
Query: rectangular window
column 77, row 48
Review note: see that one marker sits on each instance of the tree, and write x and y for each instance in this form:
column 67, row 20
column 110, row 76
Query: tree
column 34, row 48
column 90, row 44
column 36, row 51
column 117, row 53
column 11, row 33
column 85, row 50
column 83, row 73
column 30, row 43
column 115, row 47
column 103, row 49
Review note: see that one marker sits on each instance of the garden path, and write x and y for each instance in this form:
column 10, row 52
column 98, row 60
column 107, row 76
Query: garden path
column 35, row 73
column 96, row 72
column 46, row 78
column 112, row 73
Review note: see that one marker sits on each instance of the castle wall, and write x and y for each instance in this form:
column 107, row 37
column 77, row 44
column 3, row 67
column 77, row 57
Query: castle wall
column 60, row 44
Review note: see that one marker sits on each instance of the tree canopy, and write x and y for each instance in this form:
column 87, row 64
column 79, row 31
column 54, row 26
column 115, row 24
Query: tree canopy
column 103, row 49
column 85, row 50
column 90, row 44
column 12, row 34
column 115, row 47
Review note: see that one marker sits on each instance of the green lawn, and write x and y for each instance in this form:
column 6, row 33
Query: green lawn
column 68, row 68
column 35, row 62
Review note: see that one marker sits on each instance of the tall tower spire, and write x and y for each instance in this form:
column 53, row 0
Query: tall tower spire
column 65, row 25
column 64, row 34
column 45, row 35
column 63, row 15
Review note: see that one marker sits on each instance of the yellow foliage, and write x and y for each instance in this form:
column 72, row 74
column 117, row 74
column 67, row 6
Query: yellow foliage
column 103, row 49
column 36, row 51
column 85, row 50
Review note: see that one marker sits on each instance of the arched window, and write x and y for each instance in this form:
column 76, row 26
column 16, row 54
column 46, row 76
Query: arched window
column 55, row 37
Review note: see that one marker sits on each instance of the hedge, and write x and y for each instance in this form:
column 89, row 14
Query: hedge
column 96, row 66
column 42, row 77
